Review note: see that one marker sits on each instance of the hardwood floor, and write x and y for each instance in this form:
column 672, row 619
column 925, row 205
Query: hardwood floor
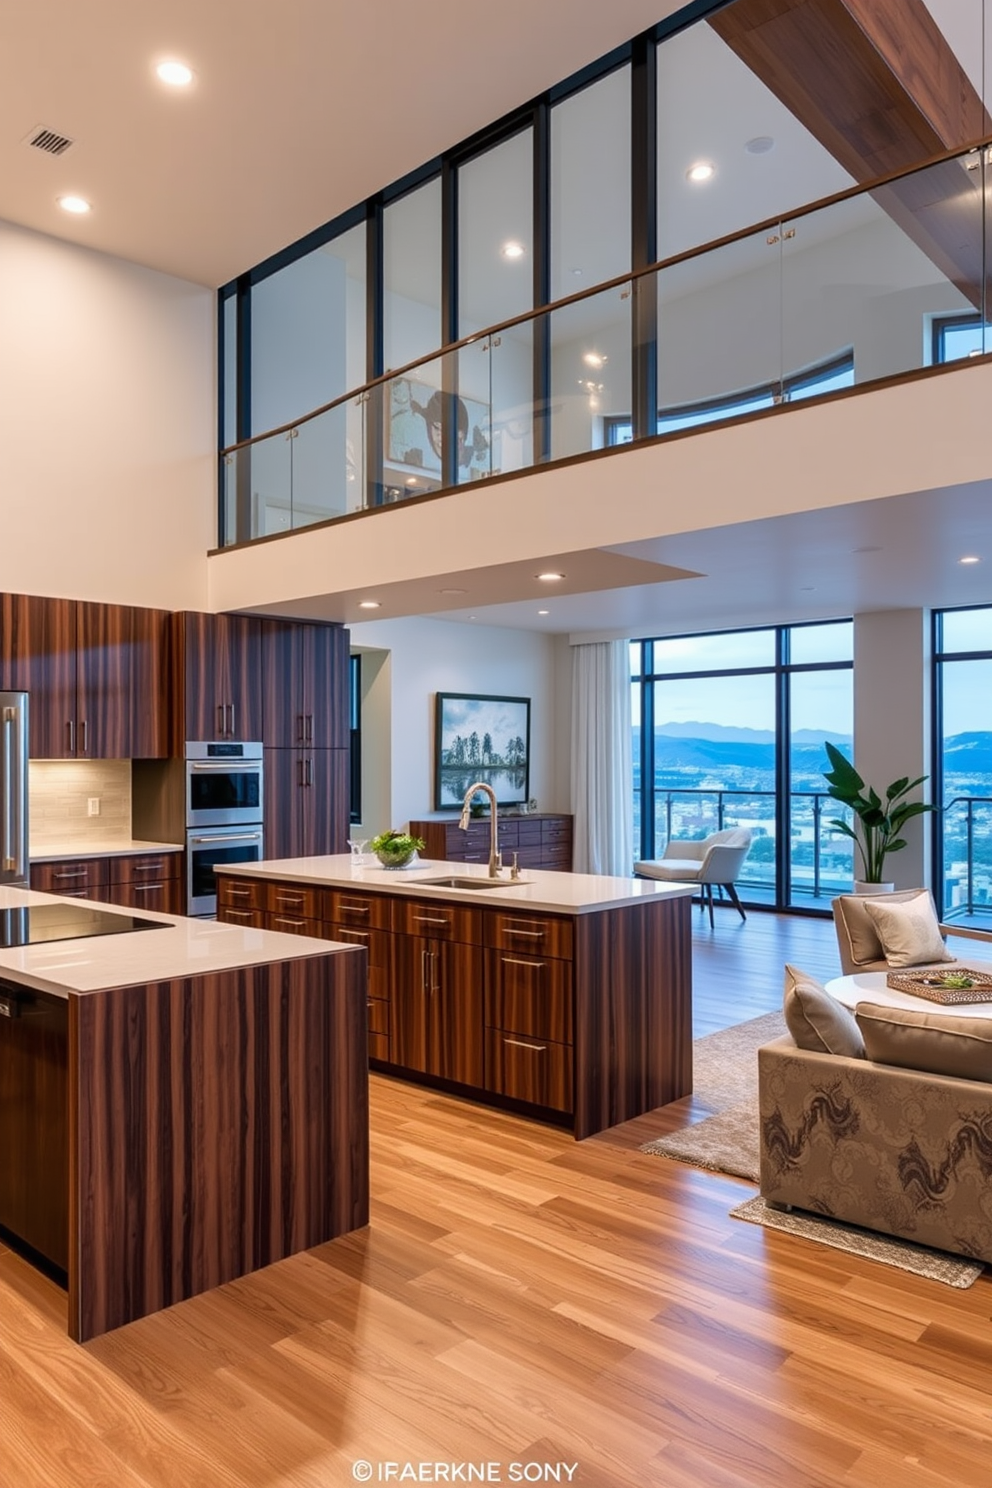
column 520, row 1298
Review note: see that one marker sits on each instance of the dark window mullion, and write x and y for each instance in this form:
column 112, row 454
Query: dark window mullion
column 783, row 773
column 242, row 412
column 644, row 234
column 541, row 239
column 449, row 319
column 647, row 751
column 375, row 417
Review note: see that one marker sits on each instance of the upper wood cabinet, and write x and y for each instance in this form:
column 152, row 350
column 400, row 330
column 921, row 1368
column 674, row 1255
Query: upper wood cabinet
column 94, row 674
column 306, row 802
column 217, row 678
column 305, row 703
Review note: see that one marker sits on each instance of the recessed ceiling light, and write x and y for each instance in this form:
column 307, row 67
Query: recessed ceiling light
column 411, row 480
column 760, row 145
column 543, row 612
column 701, row 171
column 454, row 591
column 512, row 250
column 369, row 604
column 176, row 74
column 549, row 578
column 594, row 359
column 970, row 558
column 76, row 204
column 577, row 273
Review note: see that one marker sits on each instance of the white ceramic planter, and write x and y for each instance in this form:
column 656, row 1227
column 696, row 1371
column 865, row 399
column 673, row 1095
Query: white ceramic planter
column 873, row 888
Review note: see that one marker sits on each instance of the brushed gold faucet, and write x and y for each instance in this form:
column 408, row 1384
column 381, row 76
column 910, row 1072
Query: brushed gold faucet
column 495, row 857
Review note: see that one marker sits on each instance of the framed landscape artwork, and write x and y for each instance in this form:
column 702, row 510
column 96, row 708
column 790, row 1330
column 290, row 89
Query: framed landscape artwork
column 481, row 738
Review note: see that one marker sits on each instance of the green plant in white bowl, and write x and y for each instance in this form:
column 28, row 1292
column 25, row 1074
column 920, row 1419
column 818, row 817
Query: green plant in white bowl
column 395, row 849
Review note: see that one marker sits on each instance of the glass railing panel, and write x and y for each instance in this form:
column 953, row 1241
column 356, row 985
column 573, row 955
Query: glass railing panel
column 591, row 398
column 719, row 333
column 515, row 432
column 868, row 284
column 265, row 486
column 229, row 498
column 414, row 413
column 476, row 452
column 966, row 826
column 328, row 455
column 821, row 859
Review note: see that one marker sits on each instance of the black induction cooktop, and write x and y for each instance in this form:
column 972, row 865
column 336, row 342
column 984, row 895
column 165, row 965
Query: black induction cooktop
column 32, row 924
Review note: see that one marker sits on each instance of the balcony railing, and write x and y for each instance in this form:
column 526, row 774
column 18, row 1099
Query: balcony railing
column 967, row 860
column 820, row 857
column 836, row 294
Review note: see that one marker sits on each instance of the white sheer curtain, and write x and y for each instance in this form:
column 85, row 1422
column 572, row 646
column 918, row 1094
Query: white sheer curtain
column 602, row 772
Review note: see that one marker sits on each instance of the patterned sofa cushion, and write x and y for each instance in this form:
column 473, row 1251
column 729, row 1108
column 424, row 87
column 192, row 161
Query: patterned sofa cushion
column 816, row 1021
column 938, row 1043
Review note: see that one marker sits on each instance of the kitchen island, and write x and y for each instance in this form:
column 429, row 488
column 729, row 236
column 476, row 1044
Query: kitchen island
column 178, row 1105
column 566, row 996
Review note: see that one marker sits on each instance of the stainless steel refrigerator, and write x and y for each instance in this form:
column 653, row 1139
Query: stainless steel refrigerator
column 14, row 789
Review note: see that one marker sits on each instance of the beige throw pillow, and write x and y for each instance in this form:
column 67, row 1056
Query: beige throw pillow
column 908, row 932
column 938, row 1043
column 864, row 946
column 816, row 1021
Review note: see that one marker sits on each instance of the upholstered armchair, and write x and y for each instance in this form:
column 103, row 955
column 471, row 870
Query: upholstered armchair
column 717, row 859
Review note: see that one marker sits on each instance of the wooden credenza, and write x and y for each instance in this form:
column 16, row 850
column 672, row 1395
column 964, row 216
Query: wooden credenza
column 541, row 840
column 582, row 1018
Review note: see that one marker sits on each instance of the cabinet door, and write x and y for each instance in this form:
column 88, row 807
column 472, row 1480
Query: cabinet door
column 149, row 696
column 283, row 791
column 103, row 681
column 326, row 712
column 411, row 1003
column 160, row 894
column 325, row 801
column 223, row 677
column 38, row 655
column 455, row 1048
column 34, row 1173
column 282, row 669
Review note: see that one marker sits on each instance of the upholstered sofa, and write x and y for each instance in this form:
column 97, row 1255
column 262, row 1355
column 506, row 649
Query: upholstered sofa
column 893, row 1149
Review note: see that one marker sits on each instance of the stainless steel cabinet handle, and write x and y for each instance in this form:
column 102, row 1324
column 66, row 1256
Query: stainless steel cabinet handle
column 435, row 984
column 519, row 1044
column 73, row 873
column 347, row 907
column 220, row 718
column 72, row 736
column 536, row 965
column 309, row 728
column 233, row 729
column 290, row 901
column 147, row 888
column 231, row 837
column 82, row 736
column 155, row 866
column 431, row 920
column 530, row 934
column 360, row 936
column 423, row 972
column 309, row 771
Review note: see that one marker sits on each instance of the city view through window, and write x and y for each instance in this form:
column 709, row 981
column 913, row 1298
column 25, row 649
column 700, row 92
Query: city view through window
column 736, row 725
column 963, row 647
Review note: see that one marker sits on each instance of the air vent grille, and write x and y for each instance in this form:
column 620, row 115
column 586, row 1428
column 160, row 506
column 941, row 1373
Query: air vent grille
column 47, row 140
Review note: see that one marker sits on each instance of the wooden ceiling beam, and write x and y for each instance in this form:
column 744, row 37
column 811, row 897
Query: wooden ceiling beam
column 876, row 82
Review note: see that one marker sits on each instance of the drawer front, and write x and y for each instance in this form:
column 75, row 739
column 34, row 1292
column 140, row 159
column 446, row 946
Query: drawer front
column 290, row 924
column 293, row 900
column 70, row 876
column 378, row 944
column 557, row 829
column 240, row 893
column 535, row 935
column 528, row 832
column 529, row 995
column 531, row 856
column 100, row 893
column 161, row 894
column 379, row 1046
column 254, row 919
column 438, row 920
column 558, row 859
column 144, row 868
column 527, row 1069
column 378, row 1016
column 362, row 911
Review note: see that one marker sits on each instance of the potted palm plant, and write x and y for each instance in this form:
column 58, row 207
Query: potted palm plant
column 878, row 822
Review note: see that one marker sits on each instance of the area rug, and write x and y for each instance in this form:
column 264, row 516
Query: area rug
column 725, row 1080
column 935, row 1265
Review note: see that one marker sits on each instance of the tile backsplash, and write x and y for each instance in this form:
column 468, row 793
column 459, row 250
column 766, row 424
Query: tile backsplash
column 59, row 792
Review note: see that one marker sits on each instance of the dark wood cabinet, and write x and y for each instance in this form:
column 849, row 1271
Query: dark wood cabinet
column 217, row 674
column 305, row 704
column 133, row 881
column 34, row 1120
column 306, row 802
column 540, row 840
column 437, row 1008
column 94, row 673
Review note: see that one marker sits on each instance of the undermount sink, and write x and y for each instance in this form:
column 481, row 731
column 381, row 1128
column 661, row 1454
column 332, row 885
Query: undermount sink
column 469, row 883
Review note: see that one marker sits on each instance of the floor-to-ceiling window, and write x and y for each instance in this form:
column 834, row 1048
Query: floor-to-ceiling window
column 728, row 730
column 963, row 763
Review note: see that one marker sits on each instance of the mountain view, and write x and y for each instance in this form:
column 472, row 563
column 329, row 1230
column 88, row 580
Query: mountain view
column 696, row 762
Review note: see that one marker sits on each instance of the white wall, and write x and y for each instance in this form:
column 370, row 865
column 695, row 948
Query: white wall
column 424, row 657
column 892, row 722
column 107, row 426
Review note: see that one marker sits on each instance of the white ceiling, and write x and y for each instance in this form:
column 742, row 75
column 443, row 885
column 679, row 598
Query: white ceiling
column 299, row 109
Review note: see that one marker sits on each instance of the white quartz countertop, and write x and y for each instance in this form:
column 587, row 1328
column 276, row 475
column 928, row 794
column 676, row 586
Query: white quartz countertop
column 185, row 948
column 536, row 889
column 112, row 847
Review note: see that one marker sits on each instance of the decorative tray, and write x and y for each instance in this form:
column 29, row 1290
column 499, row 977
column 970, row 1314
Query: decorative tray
column 948, row 987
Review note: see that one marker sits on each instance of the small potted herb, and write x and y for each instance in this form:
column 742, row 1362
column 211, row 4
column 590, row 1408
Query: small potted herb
column 395, row 849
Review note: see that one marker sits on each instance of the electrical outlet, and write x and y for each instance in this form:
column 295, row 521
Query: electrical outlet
column 93, row 806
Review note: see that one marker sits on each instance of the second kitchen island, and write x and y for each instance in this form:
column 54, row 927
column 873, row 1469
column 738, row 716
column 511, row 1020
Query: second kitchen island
column 562, row 995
